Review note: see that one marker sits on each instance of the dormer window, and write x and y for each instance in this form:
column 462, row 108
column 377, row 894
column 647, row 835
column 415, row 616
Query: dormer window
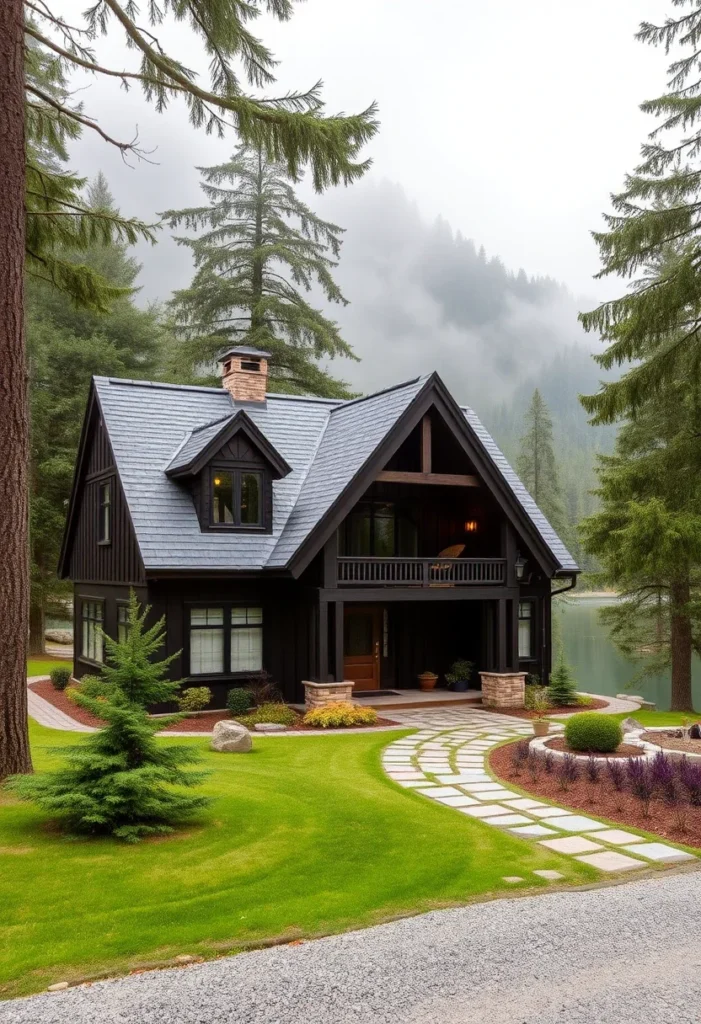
column 237, row 498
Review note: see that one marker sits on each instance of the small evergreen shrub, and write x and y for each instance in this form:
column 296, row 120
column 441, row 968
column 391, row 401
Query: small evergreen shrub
column 122, row 781
column 60, row 678
column 93, row 687
column 591, row 731
column 340, row 715
column 238, row 701
column 563, row 688
column 195, row 698
column 274, row 713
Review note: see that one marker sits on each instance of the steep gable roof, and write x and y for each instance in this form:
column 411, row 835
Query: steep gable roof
column 204, row 442
column 327, row 445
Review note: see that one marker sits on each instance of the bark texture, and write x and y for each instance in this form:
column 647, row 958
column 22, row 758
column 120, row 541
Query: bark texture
column 14, row 421
column 681, row 646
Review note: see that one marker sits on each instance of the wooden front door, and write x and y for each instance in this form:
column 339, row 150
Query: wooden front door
column 362, row 630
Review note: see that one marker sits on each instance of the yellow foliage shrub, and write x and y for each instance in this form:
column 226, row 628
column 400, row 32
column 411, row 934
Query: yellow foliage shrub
column 340, row 715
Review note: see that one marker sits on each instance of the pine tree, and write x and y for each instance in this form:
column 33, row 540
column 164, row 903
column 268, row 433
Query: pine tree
column 261, row 246
column 647, row 534
column 36, row 106
column 66, row 346
column 659, row 319
column 562, row 689
column 121, row 780
column 536, row 462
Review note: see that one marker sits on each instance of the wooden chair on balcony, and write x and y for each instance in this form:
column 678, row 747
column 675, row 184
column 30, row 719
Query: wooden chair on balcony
column 454, row 551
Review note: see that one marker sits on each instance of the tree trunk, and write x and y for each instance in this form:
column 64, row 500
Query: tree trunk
column 14, row 423
column 680, row 646
column 37, row 626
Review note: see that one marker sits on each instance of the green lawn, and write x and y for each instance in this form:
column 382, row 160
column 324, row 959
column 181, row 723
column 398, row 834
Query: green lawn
column 654, row 717
column 305, row 837
column 42, row 666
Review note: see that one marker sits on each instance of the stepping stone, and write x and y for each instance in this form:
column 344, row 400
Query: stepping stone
column 511, row 879
column 549, row 812
column 574, row 823
column 507, row 819
column 659, row 852
column 532, row 831
column 436, row 791
column 611, row 860
column 552, row 876
column 491, row 794
column 616, row 836
column 412, row 784
column 483, row 810
column 466, row 777
column 483, row 787
column 404, row 776
column 456, row 801
column 570, row 844
column 523, row 804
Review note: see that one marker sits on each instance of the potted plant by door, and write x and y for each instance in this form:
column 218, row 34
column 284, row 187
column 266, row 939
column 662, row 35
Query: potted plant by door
column 428, row 680
column 458, row 678
column 541, row 726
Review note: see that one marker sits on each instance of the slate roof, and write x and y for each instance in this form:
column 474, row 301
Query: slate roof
column 325, row 441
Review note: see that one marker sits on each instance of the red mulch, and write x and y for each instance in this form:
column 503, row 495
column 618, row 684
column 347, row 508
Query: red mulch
column 622, row 750
column 565, row 709
column 681, row 824
column 45, row 689
column 673, row 742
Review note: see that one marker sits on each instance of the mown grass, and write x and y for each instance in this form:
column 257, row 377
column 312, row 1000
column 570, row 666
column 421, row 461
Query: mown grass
column 305, row 837
column 43, row 666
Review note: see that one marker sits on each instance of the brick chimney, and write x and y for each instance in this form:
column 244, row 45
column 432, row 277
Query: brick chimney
column 245, row 373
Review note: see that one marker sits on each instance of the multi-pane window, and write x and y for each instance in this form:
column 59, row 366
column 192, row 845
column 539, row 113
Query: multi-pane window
column 226, row 639
column 92, row 616
column 380, row 529
column 122, row 622
column 105, row 513
column 237, row 498
column 525, row 629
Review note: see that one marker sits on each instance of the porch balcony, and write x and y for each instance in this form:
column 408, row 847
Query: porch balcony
column 420, row 572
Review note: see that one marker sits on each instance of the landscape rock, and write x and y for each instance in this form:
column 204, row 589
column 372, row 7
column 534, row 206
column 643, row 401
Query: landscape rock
column 270, row 727
column 630, row 725
column 231, row 738
column 185, row 958
column 58, row 987
column 59, row 636
column 648, row 705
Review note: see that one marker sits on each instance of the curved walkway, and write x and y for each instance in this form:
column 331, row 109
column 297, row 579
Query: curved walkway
column 450, row 768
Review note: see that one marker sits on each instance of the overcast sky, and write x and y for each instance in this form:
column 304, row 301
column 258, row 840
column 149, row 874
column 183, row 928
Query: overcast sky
column 513, row 120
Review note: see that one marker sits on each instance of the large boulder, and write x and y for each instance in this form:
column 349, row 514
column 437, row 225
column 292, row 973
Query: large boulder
column 231, row 738
column 59, row 636
column 630, row 725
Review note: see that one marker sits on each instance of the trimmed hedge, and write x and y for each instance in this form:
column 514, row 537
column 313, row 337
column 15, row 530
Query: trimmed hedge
column 60, row 678
column 238, row 701
column 195, row 698
column 591, row 731
column 276, row 713
column 340, row 715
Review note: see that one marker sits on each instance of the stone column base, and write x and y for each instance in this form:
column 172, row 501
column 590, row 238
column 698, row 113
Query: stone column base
column 317, row 695
column 503, row 689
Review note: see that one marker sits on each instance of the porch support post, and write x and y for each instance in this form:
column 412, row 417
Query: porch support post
column 330, row 569
column 513, row 635
column 339, row 644
column 501, row 635
column 323, row 642
column 508, row 551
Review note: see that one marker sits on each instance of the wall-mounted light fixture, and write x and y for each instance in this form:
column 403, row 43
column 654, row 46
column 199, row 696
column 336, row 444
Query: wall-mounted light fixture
column 471, row 526
column 519, row 565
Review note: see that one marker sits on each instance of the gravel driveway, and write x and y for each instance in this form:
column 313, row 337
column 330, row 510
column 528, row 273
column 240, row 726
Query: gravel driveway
column 628, row 953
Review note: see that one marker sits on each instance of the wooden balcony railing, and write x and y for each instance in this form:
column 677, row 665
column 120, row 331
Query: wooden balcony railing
column 421, row 572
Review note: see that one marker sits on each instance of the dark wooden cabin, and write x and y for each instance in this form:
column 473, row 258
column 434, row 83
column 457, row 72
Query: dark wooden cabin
column 368, row 540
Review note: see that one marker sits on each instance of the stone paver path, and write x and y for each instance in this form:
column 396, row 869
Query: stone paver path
column 446, row 761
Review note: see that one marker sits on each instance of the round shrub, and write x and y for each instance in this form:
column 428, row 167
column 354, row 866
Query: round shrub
column 195, row 698
column 340, row 715
column 238, row 701
column 60, row 678
column 276, row 713
column 591, row 731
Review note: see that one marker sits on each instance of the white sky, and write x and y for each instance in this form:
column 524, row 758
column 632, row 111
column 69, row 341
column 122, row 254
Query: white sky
column 514, row 120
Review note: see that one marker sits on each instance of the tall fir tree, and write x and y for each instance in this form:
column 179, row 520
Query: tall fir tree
column 658, row 320
column 260, row 247
column 40, row 208
column 536, row 463
column 647, row 534
column 67, row 344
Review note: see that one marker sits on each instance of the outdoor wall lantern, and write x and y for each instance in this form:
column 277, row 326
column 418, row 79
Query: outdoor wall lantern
column 471, row 526
column 519, row 565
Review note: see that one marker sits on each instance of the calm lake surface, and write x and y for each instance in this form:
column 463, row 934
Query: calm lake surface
column 598, row 666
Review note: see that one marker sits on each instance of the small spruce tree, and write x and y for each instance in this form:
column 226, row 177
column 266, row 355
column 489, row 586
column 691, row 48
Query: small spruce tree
column 562, row 690
column 121, row 781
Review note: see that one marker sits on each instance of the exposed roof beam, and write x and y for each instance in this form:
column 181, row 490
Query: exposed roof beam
column 390, row 476
column 426, row 444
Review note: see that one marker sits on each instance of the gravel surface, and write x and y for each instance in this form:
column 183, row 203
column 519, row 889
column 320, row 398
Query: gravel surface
column 621, row 955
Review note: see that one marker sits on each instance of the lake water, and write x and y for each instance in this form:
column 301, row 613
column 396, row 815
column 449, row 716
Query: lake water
column 598, row 665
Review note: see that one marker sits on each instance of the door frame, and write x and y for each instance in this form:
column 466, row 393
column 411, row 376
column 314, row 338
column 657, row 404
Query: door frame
column 377, row 612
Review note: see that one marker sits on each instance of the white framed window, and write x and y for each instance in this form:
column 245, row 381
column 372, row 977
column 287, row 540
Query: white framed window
column 525, row 629
column 122, row 622
column 246, row 639
column 105, row 513
column 206, row 641
column 92, row 618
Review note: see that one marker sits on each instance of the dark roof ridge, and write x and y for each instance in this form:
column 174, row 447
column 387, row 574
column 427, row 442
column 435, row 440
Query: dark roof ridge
column 382, row 391
column 210, row 423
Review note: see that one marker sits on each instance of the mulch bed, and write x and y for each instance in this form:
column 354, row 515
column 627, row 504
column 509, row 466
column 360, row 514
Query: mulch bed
column 45, row 689
column 601, row 800
column 622, row 750
column 566, row 709
column 673, row 742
